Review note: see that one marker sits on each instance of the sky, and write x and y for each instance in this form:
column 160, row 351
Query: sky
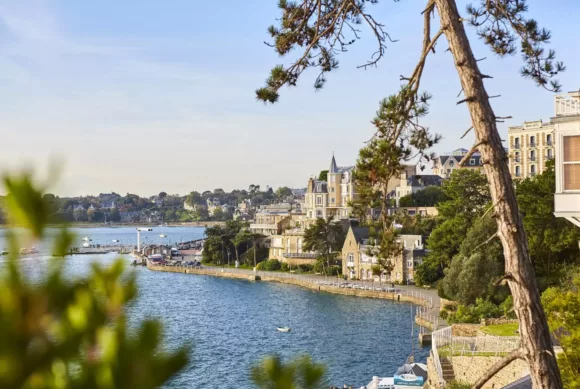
column 143, row 96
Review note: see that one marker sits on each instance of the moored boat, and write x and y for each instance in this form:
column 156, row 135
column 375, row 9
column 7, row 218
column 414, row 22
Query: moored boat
column 284, row 329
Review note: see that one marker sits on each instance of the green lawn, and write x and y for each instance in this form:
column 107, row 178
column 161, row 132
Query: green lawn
column 501, row 329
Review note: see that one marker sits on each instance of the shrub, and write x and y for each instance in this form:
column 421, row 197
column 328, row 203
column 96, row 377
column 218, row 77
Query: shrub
column 304, row 268
column 507, row 308
column 284, row 267
column 483, row 309
column 269, row 265
column 444, row 315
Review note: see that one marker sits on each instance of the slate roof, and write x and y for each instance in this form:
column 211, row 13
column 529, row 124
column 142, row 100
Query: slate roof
column 344, row 169
column 424, row 180
column 522, row 383
column 320, row 187
column 360, row 234
column 414, row 368
column 333, row 167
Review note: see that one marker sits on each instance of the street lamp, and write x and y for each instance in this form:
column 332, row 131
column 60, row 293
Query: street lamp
column 139, row 236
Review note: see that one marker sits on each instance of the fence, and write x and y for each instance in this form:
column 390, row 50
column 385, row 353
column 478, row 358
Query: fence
column 439, row 339
column 328, row 281
column 424, row 315
column 445, row 345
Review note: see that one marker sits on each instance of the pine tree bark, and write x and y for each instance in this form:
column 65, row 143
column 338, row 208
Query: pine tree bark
column 536, row 342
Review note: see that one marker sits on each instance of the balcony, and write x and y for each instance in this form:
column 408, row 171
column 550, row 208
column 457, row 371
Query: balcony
column 532, row 157
column 567, row 104
column 300, row 255
column 516, row 146
column 517, row 159
column 549, row 143
column 350, row 264
column 263, row 226
column 533, row 144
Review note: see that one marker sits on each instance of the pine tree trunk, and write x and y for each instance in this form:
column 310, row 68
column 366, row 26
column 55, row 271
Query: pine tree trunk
column 536, row 342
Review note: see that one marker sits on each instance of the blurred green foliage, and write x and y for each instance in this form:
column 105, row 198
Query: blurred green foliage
column 71, row 333
column 300, row 373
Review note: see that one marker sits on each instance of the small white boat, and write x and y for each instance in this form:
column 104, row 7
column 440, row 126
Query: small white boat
column 162, row 236
column 284, row 329
column 86, row 244
column 87, row 239
column 115, row 240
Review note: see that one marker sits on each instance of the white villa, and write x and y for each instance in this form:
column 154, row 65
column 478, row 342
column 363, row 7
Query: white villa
column 567, row 142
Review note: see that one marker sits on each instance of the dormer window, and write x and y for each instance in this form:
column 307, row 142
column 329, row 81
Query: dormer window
column 472, row 161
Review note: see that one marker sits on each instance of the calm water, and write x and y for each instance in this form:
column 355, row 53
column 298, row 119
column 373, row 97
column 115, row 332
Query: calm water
column 232, row 323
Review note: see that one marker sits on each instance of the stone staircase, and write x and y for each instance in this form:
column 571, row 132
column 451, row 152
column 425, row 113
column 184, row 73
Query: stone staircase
column 447, row 369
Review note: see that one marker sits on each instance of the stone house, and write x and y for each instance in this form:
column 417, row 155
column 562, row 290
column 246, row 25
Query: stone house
column 415, row 183
column 446, row 163
column 330, row 198
column 531, row 146
column 358, row 257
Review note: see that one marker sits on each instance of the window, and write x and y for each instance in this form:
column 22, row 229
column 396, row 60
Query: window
column 332, row 200
column 533, row 170
column 451, row 164
column 571, row 162
column 549, row 154
column 332, row 188
column 331, row 178
column 318, row 200
column 299, row 245
column 472, row 161
column 448, row 171
column 549, row 139
column 517, row 154
column 518, row 171
column 350, row 257
column 532, row 141
column 532, row 155
column 517, row 143
column 288, row 246
column 318, row 213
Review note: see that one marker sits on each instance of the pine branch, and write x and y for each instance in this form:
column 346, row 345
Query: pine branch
column 466, row 132
column 470, row 153
column 497, row 367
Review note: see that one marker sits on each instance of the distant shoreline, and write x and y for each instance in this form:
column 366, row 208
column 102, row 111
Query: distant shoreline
column 120, row 225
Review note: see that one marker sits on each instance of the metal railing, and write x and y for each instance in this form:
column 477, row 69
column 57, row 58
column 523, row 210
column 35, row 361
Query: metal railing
column 438, row 339
column 567, row 104
column 445, row 345
column 300, row 255
column 424, row 315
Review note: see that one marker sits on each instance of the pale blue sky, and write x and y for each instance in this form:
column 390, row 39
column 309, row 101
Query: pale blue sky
column 142, row 96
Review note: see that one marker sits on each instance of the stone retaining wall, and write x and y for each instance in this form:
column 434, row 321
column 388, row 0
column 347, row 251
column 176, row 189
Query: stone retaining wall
column 294, row 281
column 420, row 321
column 465, row 329
column 489, row 322
column 469, row 369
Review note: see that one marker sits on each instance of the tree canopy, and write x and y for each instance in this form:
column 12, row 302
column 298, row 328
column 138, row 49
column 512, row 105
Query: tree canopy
column 428, row 197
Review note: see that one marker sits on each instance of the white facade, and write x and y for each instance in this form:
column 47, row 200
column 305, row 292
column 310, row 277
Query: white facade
column 567, row 134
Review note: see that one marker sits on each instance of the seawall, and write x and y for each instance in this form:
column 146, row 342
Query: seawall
column 412, row 297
